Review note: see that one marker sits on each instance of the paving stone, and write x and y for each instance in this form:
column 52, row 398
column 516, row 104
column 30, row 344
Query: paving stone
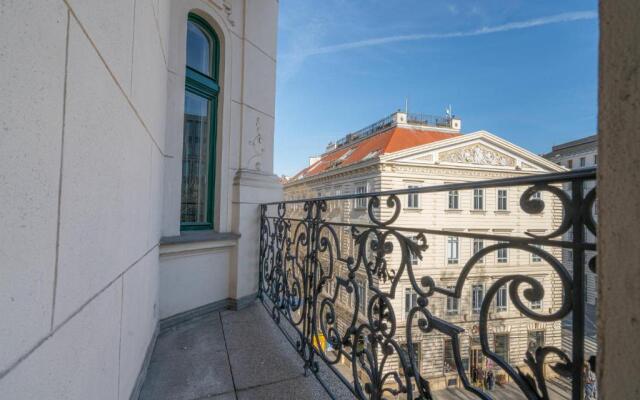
column 253, row 366
column 202, row 335
column 189, row 362
column 307, row 388
column 255, row 335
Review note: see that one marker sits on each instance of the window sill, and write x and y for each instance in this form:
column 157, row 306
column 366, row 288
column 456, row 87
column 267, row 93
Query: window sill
column 503, row 212
column 414, row 209
column 478, row 211
column 453, row 210
column 197, row 241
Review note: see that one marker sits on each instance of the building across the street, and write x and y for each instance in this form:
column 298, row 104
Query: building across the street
column 413, row 150
column 581, row 153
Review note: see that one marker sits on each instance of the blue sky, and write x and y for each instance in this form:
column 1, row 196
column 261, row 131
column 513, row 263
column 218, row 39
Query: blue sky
column 524, row 70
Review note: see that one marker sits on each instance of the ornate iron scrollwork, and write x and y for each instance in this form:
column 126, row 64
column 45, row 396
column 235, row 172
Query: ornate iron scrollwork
column 304, row 273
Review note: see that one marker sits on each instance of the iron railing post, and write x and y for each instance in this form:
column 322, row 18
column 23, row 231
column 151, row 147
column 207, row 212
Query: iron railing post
column 577, row 198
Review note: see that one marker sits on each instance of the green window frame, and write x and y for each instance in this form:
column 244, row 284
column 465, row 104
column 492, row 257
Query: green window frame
column 205, row 86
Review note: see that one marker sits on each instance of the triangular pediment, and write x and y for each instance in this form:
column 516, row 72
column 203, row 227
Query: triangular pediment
column 474, row 150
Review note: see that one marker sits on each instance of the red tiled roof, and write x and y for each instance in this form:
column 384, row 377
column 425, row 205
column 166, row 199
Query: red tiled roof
column 395, row 139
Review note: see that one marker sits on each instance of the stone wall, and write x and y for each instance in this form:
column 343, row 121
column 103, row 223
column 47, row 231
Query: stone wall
column 83, row 143
column 619, row 200
column 90, row 149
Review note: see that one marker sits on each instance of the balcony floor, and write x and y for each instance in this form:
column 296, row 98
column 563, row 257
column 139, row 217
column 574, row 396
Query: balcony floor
column 237, row 355
column 229, row 355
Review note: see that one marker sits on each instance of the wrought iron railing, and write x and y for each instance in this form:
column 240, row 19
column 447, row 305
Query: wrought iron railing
column 335, row 271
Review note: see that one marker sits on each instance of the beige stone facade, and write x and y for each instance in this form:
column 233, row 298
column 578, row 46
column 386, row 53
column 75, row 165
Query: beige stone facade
column 464, row 158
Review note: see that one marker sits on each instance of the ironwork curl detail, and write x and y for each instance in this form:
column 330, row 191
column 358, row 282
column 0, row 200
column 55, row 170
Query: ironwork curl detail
column 532, row 205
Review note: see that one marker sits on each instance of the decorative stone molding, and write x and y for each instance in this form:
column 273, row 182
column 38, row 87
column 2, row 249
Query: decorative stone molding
column 535, row 326
column 255, row 161
column 227, row 7
column 501, row 329
column 427, row 157
column 477, row 154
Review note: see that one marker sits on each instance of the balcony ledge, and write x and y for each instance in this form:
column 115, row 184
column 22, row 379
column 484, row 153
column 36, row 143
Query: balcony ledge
column 197, row 241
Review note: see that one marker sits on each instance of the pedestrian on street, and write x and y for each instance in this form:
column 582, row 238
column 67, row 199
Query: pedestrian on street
column 491, row 380
column 590, row 383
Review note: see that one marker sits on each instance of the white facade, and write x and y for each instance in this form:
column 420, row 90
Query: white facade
column 91, row 120
column 581, row 153
column 444, row 162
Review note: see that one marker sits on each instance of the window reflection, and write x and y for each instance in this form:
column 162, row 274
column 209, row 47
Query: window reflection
column 198, row 49
column 195, row 159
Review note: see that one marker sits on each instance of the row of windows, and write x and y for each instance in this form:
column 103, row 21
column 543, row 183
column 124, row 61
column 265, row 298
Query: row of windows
column 582, row 162
column 477, row 297
column 411, row 299
column 453, row 252
column 535, row 339
column 453, row 198
column 478, row 203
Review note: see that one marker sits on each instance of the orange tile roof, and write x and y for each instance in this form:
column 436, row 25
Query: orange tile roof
column 395, row 139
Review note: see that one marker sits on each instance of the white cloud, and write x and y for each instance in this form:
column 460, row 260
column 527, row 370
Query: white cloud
column 302, row 54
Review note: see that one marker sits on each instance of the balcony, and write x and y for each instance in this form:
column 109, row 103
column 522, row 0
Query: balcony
column 353, row 305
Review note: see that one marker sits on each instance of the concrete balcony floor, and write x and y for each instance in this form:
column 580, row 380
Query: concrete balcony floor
column 230, row 355
column 237, row 355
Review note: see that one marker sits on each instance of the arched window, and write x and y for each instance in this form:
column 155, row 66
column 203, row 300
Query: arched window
column 199, row 135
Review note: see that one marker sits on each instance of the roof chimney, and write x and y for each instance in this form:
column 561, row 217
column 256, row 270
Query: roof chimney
column 314, row 159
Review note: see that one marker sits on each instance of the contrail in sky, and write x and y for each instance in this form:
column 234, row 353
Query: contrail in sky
column 551, row 19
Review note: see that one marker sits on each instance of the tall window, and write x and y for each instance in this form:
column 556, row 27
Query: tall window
column 501, row 299
column 199, row 132
column 413, row 199
column 452, row 250
column 535, row 257
column 413, row 259
column 453, row 200
column 583, row 161
column 502, row 199
column 361, row 202
column 536, row 339
column 453, row 306
column 362, row 296
column 595, row 159
column 569, row 164
column 478, row 199
column 410, row 300
column 502, row 255
column 477, row 295
column 536, row 304
column 449, row 364
column 501, row 345
column 417, row 354
column 478, row 244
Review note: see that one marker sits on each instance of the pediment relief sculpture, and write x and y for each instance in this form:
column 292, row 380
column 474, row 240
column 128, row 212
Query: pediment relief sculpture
column 477, row 154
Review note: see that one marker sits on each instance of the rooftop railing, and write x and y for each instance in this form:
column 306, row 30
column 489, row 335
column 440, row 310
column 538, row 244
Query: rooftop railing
column 429, row 120
column 382, row 293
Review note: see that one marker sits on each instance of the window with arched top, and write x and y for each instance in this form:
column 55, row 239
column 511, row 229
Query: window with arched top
column 199, row 134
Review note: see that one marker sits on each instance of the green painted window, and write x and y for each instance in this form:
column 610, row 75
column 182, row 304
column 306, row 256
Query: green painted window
column 199, row 132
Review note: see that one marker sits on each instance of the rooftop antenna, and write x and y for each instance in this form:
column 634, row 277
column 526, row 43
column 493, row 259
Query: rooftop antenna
column 449, row 112
column 406, row 105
